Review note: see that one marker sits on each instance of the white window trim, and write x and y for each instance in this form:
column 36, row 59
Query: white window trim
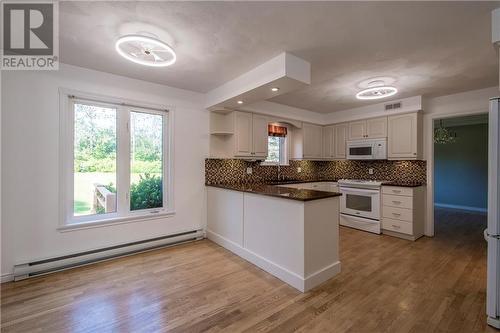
column 66, row 219
column 287, row 150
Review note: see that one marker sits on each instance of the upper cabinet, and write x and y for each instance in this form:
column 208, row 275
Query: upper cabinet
column 329, row 142
column 243, row 125
column 313, row 141
column 307, row 142
column 405, row 137
column 340, row 139
column 259, row 135
column 357, row 130
column 376, row 128
column 238, row 134
column 368, row 129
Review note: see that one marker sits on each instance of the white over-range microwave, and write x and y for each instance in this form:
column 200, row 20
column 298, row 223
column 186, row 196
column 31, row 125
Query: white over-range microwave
column 370, row 149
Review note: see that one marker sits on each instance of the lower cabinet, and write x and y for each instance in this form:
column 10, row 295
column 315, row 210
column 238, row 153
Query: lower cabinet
column 403, row 211
column 225, row 213
column 296, row 241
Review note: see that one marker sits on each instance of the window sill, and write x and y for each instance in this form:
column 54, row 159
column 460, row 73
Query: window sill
column 113, row 221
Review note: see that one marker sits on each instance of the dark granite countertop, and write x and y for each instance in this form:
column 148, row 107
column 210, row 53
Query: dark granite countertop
column 279, row 191
column 298, row 181
column 403, row 184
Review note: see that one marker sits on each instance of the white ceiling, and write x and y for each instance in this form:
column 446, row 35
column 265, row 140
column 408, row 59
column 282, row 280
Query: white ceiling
column 430, row 48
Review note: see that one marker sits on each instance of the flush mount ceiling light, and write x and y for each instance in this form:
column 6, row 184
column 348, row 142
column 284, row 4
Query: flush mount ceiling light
column 240, row 102
column 377, row 89
column 145, row 50
column 275, row 89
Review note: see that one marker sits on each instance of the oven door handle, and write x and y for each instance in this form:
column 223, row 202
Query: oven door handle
column 358, row 191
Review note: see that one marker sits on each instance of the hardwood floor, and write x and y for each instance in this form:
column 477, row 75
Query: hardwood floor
column 386, row 285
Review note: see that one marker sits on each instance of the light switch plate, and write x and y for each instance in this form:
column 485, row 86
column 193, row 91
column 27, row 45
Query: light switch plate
column 370, row 171
column 249, row 171
column 299, row 169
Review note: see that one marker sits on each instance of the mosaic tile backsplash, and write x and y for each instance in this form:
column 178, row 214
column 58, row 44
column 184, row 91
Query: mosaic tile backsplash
column 230, row 171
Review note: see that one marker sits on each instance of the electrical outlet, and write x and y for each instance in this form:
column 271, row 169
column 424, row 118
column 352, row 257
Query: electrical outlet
column 299, row 169
column 370, row 171
column 249, row 171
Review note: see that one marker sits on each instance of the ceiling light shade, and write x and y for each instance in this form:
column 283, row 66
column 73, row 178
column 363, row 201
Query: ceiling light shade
column 144, row 50
column 377, row 92
column 275, row 89
column 240, row 102
column 443, row 135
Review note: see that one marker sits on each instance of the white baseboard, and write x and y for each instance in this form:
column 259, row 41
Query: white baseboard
column 322, row 275
column 7, row 277
column 460, row 207
column 287, row 276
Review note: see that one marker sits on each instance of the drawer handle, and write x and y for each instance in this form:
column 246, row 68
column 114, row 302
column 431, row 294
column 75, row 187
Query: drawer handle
column 396, row 191
column 396, row 202
column 396, row 214
column 396, row 226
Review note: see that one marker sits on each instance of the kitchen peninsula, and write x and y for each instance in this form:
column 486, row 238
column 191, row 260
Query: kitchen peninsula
column 291, row 233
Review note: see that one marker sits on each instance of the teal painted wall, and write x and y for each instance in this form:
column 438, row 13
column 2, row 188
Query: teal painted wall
column 461, row 168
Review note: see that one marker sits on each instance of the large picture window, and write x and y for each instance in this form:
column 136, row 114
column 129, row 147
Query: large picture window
column 116, row 162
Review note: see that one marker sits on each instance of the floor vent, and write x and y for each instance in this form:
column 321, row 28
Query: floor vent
column 51, row 265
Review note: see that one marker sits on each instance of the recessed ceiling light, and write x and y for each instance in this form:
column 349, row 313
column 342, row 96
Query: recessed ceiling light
column 240, row 102
column 145, row 50
column 275, row 89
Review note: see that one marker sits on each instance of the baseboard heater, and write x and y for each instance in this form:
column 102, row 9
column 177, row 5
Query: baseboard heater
column 47, row 266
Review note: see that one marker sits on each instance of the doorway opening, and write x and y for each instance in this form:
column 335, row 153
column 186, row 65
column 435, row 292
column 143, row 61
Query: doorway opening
column 460, row 172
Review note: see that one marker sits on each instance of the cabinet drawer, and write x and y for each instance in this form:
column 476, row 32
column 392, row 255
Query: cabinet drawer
column 397, row 226
column 396, row 190
column 397, row 213
column 397, row 201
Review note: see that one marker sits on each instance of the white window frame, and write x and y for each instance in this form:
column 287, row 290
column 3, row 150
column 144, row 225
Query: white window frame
column 123, row 214
column 285, row 157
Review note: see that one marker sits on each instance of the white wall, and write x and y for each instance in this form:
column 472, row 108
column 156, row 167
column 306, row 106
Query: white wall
column 30, row 162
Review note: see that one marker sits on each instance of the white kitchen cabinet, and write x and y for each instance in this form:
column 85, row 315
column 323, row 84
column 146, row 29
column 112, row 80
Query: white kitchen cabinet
column 368, row 129
column 243, row 134
column 340, row 141
column 238, row 134
column 259, row 135
column 405, row 137
column 296, row 241
column 307, row 142
column 376, row 128
column 225, row 214
column 403, row 211
column 328, row 142
column 357, row 130
column 313, row 141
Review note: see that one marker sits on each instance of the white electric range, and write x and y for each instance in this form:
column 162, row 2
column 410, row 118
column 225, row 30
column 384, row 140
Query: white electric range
column 360, row 204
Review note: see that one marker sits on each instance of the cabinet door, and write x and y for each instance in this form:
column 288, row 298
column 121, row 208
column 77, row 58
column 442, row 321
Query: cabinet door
column 259, row 136
column 357, row 130
column 313, row 141
column 376, row 128
column 243, row 133
column 328, row 142
column 402, row 136
column 340, row 141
